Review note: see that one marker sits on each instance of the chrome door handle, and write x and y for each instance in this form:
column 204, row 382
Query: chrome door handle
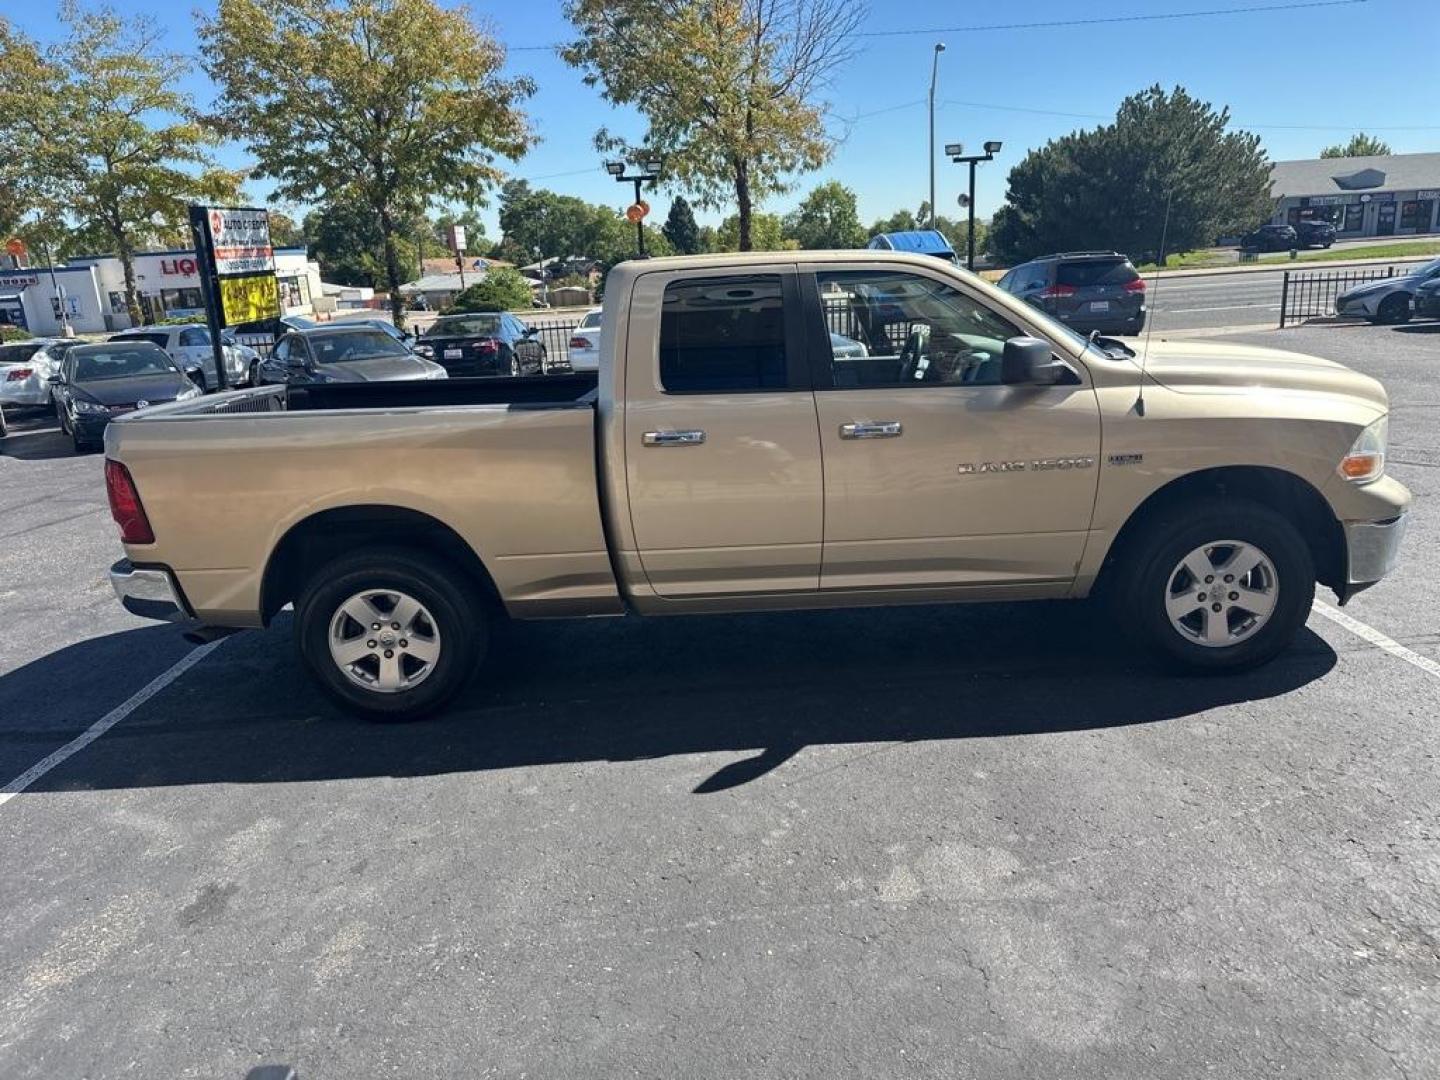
column 673, row 438
column 872, row 429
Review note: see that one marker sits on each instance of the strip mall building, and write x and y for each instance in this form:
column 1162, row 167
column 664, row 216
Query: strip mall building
column 1386, row 195
column 92, row 290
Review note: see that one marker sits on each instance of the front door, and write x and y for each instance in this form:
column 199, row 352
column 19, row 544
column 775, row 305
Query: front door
column 722, row 451
column 935, row 473
column 1385, row 220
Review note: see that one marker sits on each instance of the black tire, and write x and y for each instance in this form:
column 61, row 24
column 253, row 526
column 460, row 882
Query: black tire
column 446, row 594
column 254, row 372
column 4, row 424
column 515, row 369
column 81, row 446
column 1145, row 566
column 199, row 380
column 1394, row 309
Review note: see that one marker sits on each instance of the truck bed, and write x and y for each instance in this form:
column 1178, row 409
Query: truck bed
column 506, row 465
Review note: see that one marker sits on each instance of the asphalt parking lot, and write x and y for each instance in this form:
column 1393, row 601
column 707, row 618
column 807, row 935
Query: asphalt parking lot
column 964, row 842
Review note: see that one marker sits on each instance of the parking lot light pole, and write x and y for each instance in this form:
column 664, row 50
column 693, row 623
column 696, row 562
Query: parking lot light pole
column 955, row 151
column 649, row 166
column 934, row 72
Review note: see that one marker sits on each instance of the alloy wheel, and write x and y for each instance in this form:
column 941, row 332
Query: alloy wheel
column 384, row 641
column 1222, row 593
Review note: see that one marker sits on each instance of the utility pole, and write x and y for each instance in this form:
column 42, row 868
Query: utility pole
column 934, row 72
column 59, row 291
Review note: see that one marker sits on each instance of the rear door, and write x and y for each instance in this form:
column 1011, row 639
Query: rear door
column 722, row 449
column 936, row 474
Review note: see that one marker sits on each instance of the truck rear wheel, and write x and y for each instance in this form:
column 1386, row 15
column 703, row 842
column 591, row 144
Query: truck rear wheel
column 1217, row 585
column 390, row 634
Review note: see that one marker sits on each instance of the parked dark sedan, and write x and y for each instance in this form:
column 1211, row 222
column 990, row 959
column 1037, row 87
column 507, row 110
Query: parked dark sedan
column 97, row 382
column 1315, row 233
column 1271, row 238
column 340, row 353
column 484, row 343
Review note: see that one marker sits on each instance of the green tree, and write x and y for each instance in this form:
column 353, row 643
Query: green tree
column 1111, row 187
column 346, row 240
column 680, row 228
column 113, row 147
column 284, row 231
column 1360, row 145
column 469, row 218
column 826, row 218
column 501, row 289
column 390, row 103
column 767, row 233
column 730, row 89
column 536, row 222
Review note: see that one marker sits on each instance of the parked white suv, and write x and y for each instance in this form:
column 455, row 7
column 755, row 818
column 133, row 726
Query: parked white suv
column 189, row 346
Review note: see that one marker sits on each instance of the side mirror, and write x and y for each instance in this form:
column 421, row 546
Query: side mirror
column 194, row 372
column 530, row 331
column 1028, row 361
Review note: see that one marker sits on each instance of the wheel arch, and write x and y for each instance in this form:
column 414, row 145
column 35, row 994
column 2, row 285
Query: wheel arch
column 1291, row 495
column 315, row 540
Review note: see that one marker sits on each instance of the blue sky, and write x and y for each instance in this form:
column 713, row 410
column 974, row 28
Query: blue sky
column 1300, row 78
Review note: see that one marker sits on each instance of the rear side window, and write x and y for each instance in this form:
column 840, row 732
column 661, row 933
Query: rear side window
column 1095, row 272
column 723, row 334
column 155, row 339
column 194, row 336
column 18, row 354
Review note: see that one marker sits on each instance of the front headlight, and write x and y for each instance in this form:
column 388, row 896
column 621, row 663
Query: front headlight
column 423, row 350
column 84, row 406
column 1366, row 459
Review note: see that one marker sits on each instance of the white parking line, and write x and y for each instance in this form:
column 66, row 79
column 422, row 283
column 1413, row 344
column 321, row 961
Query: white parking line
column 106, row 722
column 1217, row 307
column 1375, row 637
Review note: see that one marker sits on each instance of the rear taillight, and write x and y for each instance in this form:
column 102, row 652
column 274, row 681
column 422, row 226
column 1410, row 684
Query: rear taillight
column 125, row 505
column 488, row 347
column 19, row 374
column 1138, row 285
column 1054, row 292
column 579, row 343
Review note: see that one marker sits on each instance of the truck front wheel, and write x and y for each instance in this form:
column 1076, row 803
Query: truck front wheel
column 1218, row 585
column 390, row 634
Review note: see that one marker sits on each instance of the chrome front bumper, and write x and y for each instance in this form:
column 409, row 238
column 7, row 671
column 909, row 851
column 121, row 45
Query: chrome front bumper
column 148, row 593
column 1374, row 548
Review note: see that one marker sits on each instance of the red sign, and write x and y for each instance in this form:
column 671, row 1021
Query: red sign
column 636, row 212
column 15, row 246
column 179, row 267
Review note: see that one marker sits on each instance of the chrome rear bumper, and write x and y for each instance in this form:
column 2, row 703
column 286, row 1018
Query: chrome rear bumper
column 150, row 593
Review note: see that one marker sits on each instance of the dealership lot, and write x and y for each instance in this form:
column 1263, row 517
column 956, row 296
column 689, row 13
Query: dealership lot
column 979, row 841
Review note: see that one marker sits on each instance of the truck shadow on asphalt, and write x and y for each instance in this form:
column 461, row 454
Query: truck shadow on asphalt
column 634, row 689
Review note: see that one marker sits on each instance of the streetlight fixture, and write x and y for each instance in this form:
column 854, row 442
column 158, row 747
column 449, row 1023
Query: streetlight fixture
column 954, row 152
column 934, row 72
column 649, row 166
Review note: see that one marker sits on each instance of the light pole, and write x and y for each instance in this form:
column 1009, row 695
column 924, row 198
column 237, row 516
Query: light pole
column 955, row 152
column 649, row 166
column 934, row 72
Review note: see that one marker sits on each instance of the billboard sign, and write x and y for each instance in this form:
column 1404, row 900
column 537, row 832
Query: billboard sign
column 457, row 238
column 240, row 239
column 244, row 299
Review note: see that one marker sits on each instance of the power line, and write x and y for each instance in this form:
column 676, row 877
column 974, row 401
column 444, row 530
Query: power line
column 1295, row 5
column 1053, row 23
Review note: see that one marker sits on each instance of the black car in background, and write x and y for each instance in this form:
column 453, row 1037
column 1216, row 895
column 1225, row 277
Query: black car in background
column 483, row 343
column 338, row 352
column 98, row 382
column 1315, row 233
column 1086, row 290
column 1270, row 238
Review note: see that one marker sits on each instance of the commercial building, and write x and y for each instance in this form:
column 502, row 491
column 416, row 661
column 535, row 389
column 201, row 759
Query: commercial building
column 1384, row 195
column 91, row 290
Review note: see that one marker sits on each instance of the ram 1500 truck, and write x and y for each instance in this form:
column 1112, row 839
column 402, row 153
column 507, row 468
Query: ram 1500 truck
column 766, row 431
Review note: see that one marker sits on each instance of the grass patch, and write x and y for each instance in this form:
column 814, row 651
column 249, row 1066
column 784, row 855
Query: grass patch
column 1205, row 260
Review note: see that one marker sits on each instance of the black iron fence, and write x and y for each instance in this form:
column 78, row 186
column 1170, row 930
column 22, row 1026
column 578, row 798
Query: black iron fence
column 555, row 336
column 1310, row 294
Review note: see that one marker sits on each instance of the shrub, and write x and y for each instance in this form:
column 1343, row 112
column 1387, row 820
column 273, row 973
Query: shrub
column 502, row 289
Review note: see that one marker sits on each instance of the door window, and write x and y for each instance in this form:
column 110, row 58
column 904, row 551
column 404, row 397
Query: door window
column 719, row 335
column 194, row 337
column 890, row 328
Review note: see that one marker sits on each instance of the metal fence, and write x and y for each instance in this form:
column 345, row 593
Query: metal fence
column 555, row 336
column 1311, row 294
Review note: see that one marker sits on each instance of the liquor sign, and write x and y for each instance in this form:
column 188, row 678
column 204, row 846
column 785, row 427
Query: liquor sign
column 240, row 239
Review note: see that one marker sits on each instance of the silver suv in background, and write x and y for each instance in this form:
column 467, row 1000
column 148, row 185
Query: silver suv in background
column 188, row 344
column 1086, row 290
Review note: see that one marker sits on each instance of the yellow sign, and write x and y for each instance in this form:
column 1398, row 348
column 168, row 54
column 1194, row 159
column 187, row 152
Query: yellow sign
column 244, row 299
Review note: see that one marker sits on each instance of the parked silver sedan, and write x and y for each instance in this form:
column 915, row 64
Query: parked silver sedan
column 1386, row 301
column 25, row 370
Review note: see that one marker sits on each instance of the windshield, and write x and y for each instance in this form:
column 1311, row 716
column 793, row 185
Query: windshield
column 345, row 346
column 464, row 325
column 120, row 362
column 1095, row 272
column 590, row 321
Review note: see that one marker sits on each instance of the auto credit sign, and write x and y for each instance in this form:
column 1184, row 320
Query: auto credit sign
column 240, row 239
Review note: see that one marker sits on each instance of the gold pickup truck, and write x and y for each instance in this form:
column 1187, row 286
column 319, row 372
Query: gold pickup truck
column 766, row 431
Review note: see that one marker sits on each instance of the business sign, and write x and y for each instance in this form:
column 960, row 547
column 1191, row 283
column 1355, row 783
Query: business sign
column 1428, row 193
column 240, row 239
column 1327, row 200
column 456, row 238
column 182, row 267
column 18, row 281
column 244, row 299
